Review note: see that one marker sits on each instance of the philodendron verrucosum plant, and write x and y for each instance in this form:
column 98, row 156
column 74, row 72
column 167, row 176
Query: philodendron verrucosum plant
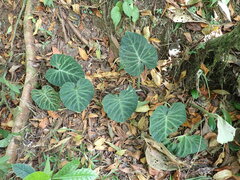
column 76, row 93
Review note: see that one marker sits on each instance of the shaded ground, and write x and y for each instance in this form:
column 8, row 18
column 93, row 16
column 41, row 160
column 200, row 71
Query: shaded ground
column 86, row 133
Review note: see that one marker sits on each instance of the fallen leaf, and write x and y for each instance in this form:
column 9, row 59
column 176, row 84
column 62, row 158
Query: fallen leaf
column 222, row 175
column 155, row 40
column 37, row 26
column 53, row 114
column 63, row 141
column 188, row 36
column 157, row 77
column 43, row 123
column 146, row 32
column 83, row 53
column 143, row 124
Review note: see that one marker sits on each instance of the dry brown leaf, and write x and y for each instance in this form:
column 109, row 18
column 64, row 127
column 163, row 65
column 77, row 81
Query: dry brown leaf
column 220, row 159
column 63, row 141
column 55, row 50
column 38, row 25
column 83, row 54
column 237, row 18
column 141, row 177
column 53, row 114
column 143, row 124
column 188, row 36
column 43, row 123
column 204, row 68
column 146, row 13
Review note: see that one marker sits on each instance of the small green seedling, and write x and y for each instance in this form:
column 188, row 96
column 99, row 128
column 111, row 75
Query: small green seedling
column 129, row 10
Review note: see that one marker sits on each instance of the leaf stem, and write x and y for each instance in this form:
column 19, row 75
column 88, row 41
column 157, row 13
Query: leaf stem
column 139, row 82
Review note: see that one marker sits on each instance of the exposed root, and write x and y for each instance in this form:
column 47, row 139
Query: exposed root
column 30, row 81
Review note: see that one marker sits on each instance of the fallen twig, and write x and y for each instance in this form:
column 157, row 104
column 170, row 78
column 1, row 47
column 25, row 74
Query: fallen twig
column 30, row 81
column 77, row 33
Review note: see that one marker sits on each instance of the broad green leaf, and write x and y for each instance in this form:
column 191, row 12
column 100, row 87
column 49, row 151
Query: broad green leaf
column 188, row 145
column 136, row 52
column 226, row 132
column 76, row 97
column 67, row 70
column 22, row 170
column 67, row 169
column 120, row 107
column 46, row 98
column 165, row 121
column 5, row 142
column 79, row 174
column 39, row 175
column 116, row 15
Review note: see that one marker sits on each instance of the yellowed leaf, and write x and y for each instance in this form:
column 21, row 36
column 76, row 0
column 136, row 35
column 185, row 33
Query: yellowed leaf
column 83, row 53
column 141, row 177
column 76, row 8
column 37, row 26
column 143, row 124
column 92, row 115
column 146, row 13
column 221, row 92
column 157, row 77
column 144, row 108
column 146, row 32
column 99, row 141
column 155, row 40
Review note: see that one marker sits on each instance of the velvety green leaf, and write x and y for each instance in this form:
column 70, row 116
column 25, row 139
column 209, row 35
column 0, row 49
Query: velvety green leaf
column 67, row 70
column 120, row 107
column 165, row 121
column 79, row 174
column 116, row 15
column 22, row 170
column 136, row 52
column 46, row 98
column 4, row 133
column 67, row 169
column 188, row 145
column 76, row 97
column 39, row 175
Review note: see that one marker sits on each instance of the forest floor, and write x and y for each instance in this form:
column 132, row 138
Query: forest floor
column 117, row 150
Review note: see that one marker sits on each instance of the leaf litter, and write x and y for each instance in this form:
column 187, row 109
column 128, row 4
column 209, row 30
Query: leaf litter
column 115, row 149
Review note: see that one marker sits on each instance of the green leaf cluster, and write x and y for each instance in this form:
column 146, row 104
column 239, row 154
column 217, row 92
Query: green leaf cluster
column 165, row 121
column 129, row 10
column 75, row 93
column 70, row 172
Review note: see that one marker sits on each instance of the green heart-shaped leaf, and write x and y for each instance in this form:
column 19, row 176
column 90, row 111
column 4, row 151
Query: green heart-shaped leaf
column 77, row 96
column 120, row 107
column 136, row 52
column 116, row 15
column 187, row 145
column 68, row 70
column 166, row 120
column 46, row 98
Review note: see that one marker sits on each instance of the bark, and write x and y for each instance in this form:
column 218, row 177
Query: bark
column 21, row 118
column 214, row 56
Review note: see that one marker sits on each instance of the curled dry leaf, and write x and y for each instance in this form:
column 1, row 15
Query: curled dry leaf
column 157, row 77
